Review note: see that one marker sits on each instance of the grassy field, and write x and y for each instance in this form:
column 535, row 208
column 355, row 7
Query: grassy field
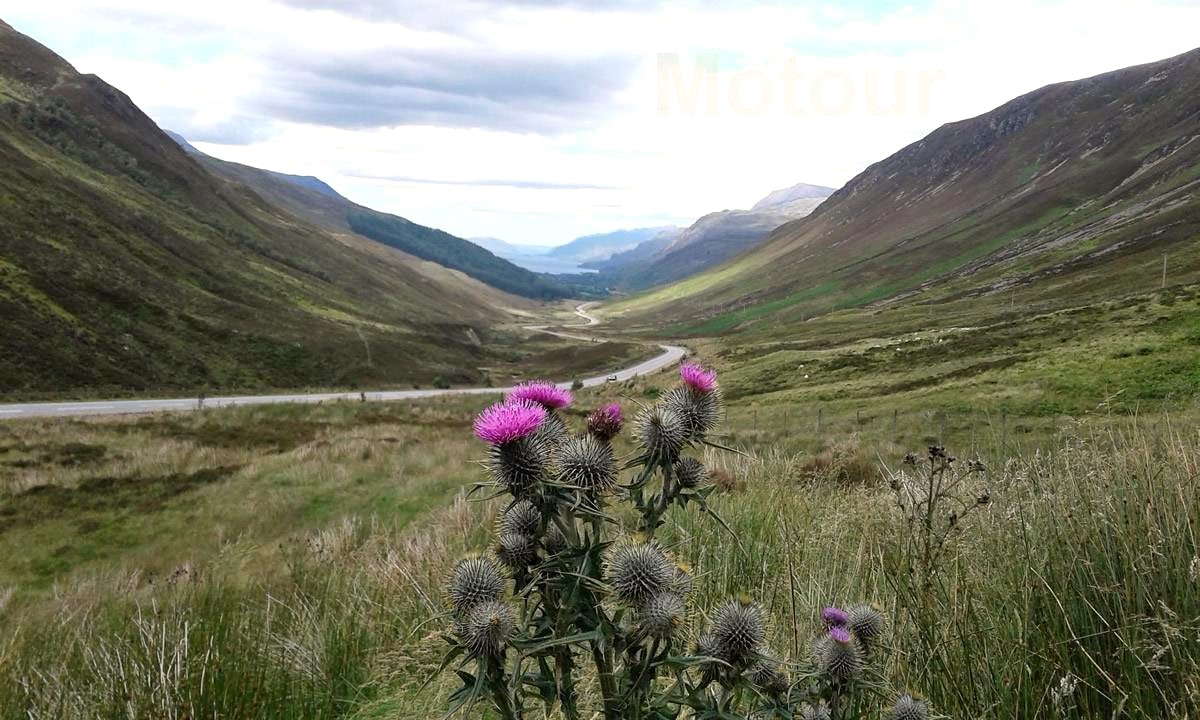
column 287, row 561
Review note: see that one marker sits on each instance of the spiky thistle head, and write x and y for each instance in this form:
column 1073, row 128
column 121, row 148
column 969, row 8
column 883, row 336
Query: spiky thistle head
column 487, row 628
column 681, row 580
column 739, row 626
column 817, row 711
column 543, row 392
column 661, row 434
column 553, row 431
column 867, row 622
column 838, row 654
column 662, row 615
column 521, row 518
column 507, row 422
column 554, row 542
column 835, row 617
column 700, row 413
column 908, row 707
column 768, row 676
column 697, row 378
column 707, row 646
column 587, row 464
column 605, row 422
column 637, row 571
column 472, row 581
column 519, row 465
column 517, row 552
column 691, row 473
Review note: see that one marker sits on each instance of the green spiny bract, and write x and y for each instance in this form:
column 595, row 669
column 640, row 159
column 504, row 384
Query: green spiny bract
column 473, row 581
column 639, row 571
column 661, row 434
column 739, row 629
column 586, row 463
column 699, row 413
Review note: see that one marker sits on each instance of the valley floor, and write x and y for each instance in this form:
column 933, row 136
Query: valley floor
column 286, row 561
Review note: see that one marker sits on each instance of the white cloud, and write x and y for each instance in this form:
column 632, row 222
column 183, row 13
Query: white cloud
column 539, row 120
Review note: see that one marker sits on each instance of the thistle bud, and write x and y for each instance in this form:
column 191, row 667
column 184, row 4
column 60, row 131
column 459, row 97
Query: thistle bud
column 661, row 433
column 909, row 708
column 605, row 422
column 554, row 542
column 838, row 654
column 587, row 463
column 819, row 711
column 523, row 518
column 767, row 675
column 867, row 623
column 699, row 412
column 707, row 646
column 638, row 572
column 474, row 581
column 739, row 629
column 662, row 615
column 517, row 552
column 691, row 473
column 487, row 628
column 518, row 466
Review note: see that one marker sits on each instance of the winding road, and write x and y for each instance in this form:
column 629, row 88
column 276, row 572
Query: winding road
column 670, row 355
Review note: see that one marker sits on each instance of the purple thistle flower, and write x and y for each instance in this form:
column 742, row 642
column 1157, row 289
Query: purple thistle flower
column 835, row 617
column 839, row 635
column 542, row 392
column 697, row 378
column 605, row 422
column 505, row 422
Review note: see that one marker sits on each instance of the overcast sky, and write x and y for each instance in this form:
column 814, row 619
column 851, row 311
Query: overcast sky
column 536, row 121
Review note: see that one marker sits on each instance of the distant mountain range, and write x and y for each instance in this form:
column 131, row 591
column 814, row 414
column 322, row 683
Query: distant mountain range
column 711, row 240
column 571, row 257
column 1079, row 189
column 639, row 258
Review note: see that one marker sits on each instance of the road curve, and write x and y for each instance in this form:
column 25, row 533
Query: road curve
column 670, row 355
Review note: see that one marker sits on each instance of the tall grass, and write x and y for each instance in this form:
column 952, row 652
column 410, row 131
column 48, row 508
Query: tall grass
column 1074, row 593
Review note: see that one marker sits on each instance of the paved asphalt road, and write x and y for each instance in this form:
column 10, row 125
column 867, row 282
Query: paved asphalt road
column 670, row 355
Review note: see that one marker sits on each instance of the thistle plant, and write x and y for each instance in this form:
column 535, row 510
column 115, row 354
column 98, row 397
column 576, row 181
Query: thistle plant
column 578, row 593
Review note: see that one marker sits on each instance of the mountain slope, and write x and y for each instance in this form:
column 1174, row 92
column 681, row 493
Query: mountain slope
column 314, row 200
column 125, row 266
column 1075, row 190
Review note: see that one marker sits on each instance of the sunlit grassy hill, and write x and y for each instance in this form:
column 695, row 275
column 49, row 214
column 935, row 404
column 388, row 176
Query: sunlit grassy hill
column 1071, row 193
column 125, row 266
